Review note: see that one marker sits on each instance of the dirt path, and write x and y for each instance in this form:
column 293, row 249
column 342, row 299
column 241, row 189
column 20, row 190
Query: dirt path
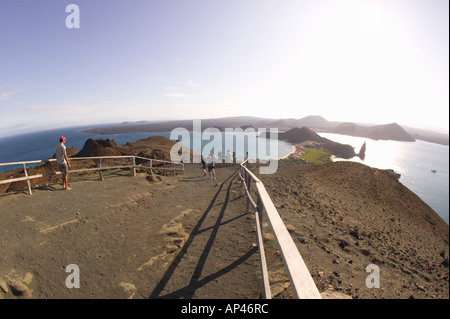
column 183, row 237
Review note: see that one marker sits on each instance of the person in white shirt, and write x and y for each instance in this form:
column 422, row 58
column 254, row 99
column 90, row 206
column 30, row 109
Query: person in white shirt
column 63, row 161
column 228, row 157
column 219, row 156
column 210, row 162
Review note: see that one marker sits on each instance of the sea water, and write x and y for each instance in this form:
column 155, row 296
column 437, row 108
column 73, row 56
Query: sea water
column 42, row 145
column 242, row 143
column 424, row 166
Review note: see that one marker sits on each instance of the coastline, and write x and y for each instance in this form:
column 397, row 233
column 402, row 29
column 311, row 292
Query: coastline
column 424, row 185
column 297, row 150
column 294, row 149
column 433, row 188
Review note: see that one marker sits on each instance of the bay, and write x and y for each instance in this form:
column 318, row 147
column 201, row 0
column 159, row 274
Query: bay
column 42, row 145
column 424, row 166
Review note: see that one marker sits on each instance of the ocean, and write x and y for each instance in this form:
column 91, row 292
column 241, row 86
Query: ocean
column 41, row 145
column 424, row 167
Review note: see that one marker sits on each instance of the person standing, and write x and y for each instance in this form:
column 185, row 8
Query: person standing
column 211, row 166
column 219, row 157
column 204, row 166
column 228, row 158
column 63, row 161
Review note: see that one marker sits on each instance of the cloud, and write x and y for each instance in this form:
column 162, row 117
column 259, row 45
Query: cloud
column 202, row 105
column 130, row 111
column 176, row 95
column 17, row 128
column 62, row 109
column 8, row 95
column 191, row 83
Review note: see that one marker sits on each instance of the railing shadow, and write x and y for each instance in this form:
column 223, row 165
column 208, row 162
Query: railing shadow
column 195, row 282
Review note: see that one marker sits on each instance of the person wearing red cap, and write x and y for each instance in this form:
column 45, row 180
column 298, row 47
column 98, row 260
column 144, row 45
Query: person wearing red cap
column 63, row 161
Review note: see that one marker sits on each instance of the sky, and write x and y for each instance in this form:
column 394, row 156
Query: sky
column 364, row 61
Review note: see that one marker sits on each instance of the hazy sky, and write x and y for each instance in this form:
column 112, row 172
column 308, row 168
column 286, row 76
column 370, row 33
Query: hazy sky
column 365, row 61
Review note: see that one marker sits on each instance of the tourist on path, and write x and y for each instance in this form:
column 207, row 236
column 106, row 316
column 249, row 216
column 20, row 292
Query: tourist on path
column 219, row 157
column 228, row 158
column 204, row 166
column 63, row 161
column 210, row 162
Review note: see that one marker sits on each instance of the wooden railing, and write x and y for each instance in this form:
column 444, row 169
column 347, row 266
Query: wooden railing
column 152, row 165
column 302, row 284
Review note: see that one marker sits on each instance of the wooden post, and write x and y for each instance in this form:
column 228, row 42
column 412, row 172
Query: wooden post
column 249, row 184
column 28, row 181
column 151, row 167
column 100, row 173
column 301, row 281
column 262, row 255
column 134, row 165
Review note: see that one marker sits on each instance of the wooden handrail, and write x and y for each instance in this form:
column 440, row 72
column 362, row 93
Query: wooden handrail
column 302, row 284
column 20, row 163
column 99, row 168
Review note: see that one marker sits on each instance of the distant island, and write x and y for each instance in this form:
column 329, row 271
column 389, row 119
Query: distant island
column 392, row 131
column 378, row 132
column 305, row 138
